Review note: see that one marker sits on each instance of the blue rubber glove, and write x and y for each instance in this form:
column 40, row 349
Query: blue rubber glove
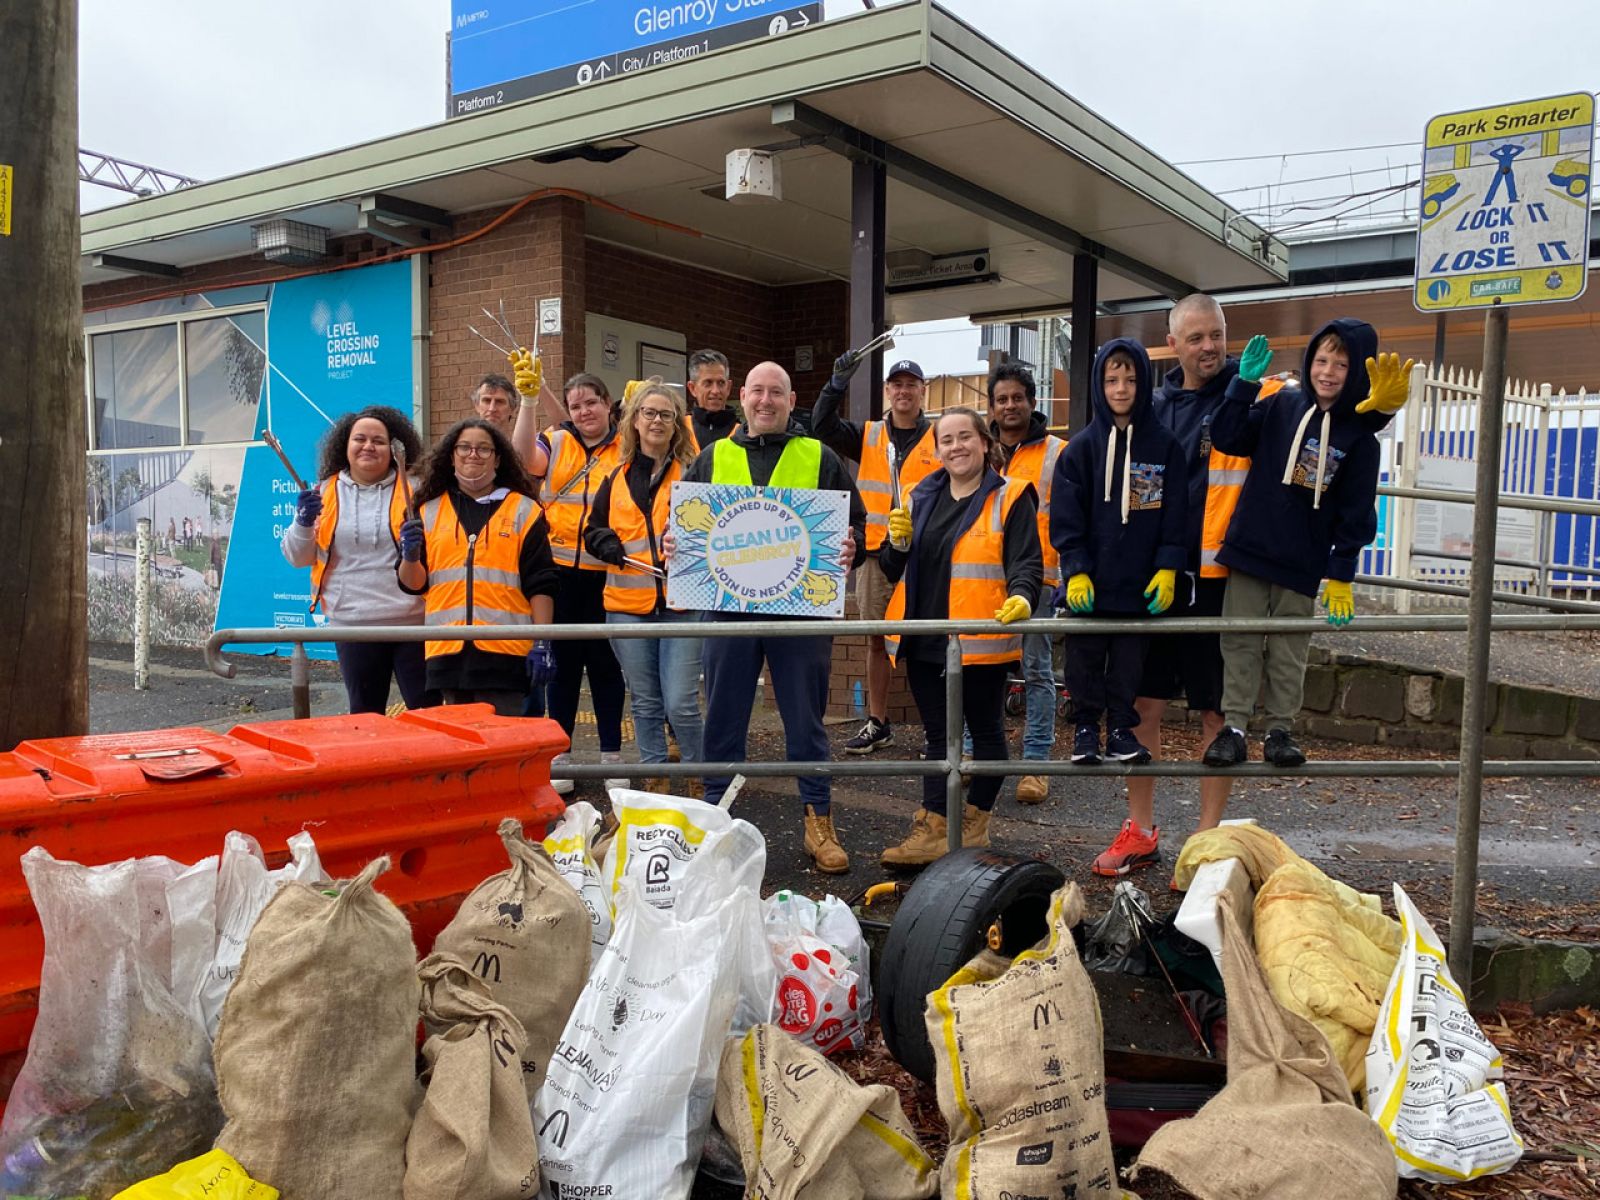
column 1253, row 362
column 411, row 539
column 844, row 367
column 308, row 507
column 541, row 664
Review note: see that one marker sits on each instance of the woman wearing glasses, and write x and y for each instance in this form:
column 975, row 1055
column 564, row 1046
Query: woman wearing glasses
column 625, row 527
column 347, row 530
column 479, row 551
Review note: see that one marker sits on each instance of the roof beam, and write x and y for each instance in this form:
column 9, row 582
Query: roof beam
column 134, row 266
column 804, row 121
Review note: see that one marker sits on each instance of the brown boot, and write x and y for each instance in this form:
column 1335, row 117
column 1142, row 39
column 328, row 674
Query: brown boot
column 974, row 827
column 822, row 844
column 927, row 842
column 1032, row 789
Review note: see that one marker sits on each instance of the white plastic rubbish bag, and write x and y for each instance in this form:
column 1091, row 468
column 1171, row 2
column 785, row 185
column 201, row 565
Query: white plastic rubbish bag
column 824, row 996
column 1433, row 1078
column 570, row 845
column 655, row 839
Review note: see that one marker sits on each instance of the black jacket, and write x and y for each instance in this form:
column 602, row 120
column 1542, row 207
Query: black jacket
column 710, row 426
column 1086, row 523
column 1280, row 532
column 1186, row 413
column 1038, row 430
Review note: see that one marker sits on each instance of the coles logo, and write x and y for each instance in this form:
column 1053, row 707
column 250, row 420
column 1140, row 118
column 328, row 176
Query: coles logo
column 798, row 1005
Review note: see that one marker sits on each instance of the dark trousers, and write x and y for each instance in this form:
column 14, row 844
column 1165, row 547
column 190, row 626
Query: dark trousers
column 580, row 600
column 983, row 697
column 506, row 704
column 1103, row 674
column 368, row 666
column 798, row 668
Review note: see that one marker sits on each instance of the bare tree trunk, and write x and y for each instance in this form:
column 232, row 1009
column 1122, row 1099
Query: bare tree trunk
column 44, row 685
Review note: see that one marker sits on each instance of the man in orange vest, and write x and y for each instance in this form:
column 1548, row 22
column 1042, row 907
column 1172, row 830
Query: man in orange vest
column 895, row 455
column 1030, row 452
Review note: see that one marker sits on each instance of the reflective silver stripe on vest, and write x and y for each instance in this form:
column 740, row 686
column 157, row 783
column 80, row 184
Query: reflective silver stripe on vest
column 547, row 491
column 1208, row 556
column 987, row 643
column 618, row 579
column 637, row 546
column 872, row 485
column 1047, row 472
column 1226, row 478
column 430, row 513
column 456, row 618
column 446, row 616
column 977, row 571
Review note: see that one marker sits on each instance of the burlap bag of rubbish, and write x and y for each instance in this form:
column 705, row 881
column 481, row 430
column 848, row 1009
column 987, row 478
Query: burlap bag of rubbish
column 1021, row 1071
column 806, row 1131
column 316, row 1053
column 1284, row 1127
column 526, row 933
column 473, row 1136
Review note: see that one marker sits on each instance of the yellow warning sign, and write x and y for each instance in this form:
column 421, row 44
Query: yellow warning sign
column 5, row 200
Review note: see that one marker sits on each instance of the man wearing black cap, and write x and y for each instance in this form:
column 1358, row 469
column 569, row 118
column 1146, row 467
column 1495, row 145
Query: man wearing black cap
column 895, row 455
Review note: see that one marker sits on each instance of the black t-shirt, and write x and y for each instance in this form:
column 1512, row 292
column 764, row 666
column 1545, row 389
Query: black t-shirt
column 932, row 552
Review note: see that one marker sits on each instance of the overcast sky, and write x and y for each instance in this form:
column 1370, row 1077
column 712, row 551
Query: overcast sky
column 209, row 89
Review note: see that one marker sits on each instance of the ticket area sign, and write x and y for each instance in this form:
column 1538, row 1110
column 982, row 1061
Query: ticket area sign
column 1504, row 212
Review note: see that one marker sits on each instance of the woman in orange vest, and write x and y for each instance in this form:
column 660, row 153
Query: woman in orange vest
column 480, row 552
column 347, row 530
column 626, row 523
column 968, row 549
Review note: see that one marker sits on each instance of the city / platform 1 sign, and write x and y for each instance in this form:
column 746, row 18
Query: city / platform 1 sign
column 1504, row 214
column 502, row 51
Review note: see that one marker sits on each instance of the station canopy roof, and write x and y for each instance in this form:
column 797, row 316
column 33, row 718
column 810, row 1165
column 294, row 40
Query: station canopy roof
column 981, row 152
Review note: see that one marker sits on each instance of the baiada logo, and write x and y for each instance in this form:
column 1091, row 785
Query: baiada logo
column 797, row 1005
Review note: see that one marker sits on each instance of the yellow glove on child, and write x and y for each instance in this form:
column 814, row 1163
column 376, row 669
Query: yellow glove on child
column 1163, row 586
column 527, row 372
column 1014, row 609
column 900, row 529
column 1389, row 384
column 1080, row 593
column 1338, row 600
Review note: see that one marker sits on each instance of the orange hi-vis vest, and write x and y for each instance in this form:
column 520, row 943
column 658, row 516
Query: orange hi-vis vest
column 570, row 482
column 1224, row 481
column 329, row 521
column 477, row 579
column 629, row 590
column 876, row 482
column 688, row 427
column 1035, row 463
column 977, row 583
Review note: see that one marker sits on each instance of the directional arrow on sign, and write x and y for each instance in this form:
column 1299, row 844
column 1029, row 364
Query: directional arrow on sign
column 802, row 19
column 602, row 70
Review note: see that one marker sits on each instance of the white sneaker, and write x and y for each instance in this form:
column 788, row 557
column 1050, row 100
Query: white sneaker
column 614, row 756
column 563, row 787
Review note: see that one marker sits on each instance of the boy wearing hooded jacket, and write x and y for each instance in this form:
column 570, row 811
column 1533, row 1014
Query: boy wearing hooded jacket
column 1118, row 511
column 1304, row 514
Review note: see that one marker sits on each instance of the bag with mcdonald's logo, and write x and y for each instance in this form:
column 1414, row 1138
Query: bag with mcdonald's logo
column 525, row 933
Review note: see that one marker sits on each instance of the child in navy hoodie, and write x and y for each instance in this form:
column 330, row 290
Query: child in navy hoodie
column 1305, row 512
column 1117, row 510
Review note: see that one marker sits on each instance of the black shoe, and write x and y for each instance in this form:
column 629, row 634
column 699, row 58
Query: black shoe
column 1281, row 751
column 1124, row 747
column 1227, row 749
column 874, row 735
column 1086, row 746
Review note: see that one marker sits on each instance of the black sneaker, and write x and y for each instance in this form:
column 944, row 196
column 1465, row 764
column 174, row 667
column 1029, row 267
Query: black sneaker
column 1086, row 746
column 1281, row 750
column 1227, row 749
column 874, row 735
column 1124, row 747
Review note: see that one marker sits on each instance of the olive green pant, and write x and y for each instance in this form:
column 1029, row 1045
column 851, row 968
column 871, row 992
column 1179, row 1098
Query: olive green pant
column 1282, row 656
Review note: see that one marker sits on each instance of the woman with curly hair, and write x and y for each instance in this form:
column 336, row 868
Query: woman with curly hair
column 347, row 530
column 479, row 551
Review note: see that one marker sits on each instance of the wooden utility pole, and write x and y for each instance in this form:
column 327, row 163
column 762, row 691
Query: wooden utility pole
column 44, row 559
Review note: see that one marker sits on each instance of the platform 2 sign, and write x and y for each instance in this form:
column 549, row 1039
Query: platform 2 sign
column 503, row 51
column 773, row 551
column 1504, row 213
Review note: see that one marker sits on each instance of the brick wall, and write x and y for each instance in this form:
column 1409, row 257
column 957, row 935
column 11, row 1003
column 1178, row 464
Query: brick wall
column 815, row 315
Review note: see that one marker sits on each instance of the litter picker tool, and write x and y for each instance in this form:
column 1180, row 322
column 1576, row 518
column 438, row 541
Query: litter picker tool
column 884, row 341
column 1137, row 919
column 271, row 440
column 639, row 564
column 481, row 336
column 402, row 482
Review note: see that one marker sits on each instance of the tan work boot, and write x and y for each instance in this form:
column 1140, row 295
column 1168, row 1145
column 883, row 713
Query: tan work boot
column 1032, row 789
column 974, row 827
column 822, row 844
column 927, row 842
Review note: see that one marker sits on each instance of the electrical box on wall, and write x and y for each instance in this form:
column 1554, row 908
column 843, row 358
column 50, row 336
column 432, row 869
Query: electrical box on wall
column 753, row 176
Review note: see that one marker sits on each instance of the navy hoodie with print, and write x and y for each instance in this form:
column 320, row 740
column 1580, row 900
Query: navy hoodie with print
column 1119, row 503
column 1307, row 507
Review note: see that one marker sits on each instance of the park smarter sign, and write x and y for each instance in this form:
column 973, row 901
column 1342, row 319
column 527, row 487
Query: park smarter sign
column 1504, row 215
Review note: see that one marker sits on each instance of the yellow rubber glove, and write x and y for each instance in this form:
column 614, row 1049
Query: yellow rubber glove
column 1338, row 600
column 1163, row 586
column 629, row 388
column 1389, row 385
column 900, row 529
column 1014, row 609
column 1080, row 593
column 527, row 372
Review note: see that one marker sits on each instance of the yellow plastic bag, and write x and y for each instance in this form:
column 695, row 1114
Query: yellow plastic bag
column 215, row 1175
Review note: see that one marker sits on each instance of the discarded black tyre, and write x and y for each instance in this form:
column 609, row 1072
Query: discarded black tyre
column 943, row 922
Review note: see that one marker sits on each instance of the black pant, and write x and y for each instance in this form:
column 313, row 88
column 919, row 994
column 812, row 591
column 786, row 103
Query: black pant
column 983, row 697
column 580, row 600
column 506, row 704
column 367, row 667
column 1103, row 674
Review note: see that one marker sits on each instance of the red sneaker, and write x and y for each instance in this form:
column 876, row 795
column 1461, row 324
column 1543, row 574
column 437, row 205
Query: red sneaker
column 1129, row 852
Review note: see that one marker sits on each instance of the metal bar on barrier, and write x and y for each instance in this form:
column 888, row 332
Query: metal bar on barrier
column 300, row 682
column 1548, row 603
column 955, row 807
column 1526, row 564
column 1589, row 508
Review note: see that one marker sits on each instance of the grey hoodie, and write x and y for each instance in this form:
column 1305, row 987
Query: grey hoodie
column 359, row 587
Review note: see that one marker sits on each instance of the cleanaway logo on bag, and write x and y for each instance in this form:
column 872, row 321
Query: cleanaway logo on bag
column 1036, row 1155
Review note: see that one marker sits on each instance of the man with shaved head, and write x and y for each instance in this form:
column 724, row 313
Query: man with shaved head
column 762, row 452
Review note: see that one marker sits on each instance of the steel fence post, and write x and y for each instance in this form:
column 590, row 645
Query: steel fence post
column 300, row 681
column 954, row 798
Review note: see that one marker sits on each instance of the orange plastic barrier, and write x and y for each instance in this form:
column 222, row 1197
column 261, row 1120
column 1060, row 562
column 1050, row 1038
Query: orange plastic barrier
column 428, row 788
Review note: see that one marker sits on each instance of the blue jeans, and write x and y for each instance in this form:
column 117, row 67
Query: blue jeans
column 1039, row 691
column 664, row 679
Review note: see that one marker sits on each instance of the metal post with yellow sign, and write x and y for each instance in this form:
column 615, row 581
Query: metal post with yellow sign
column 1503, row 220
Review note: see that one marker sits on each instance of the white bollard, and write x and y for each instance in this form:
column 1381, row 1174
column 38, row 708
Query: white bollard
column 141, row 606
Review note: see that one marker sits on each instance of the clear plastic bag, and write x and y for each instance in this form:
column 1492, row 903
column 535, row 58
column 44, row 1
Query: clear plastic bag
column 824, row 993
